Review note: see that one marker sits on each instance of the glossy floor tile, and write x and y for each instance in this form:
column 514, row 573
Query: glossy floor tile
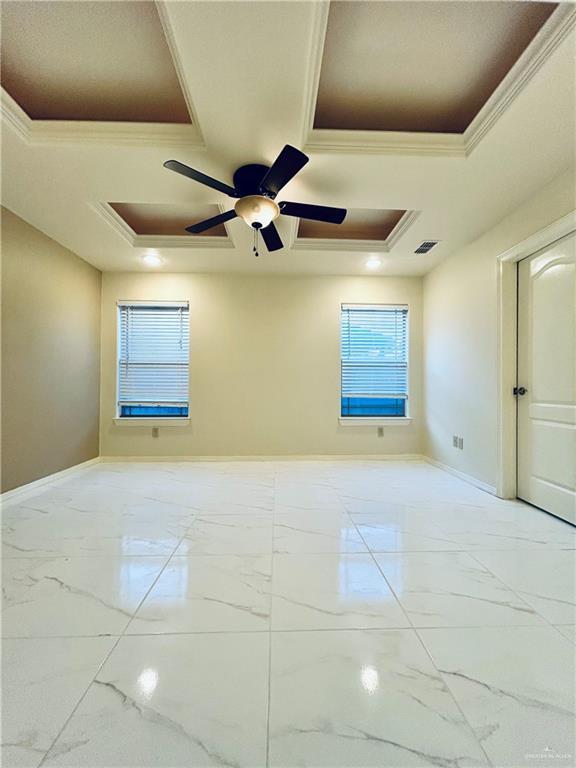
column 42, row 682
column 452, row 589
column 208, row 593
column 330, row 592
column 547, row 581
column 362, row 614
column 72, row 596
column 316, row 532
column 568, row 630
column 363, row 698
column 515, row 686
column 173, row 701
column 228, row 535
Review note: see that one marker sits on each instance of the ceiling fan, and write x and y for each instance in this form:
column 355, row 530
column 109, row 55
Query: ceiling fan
column 256, row 186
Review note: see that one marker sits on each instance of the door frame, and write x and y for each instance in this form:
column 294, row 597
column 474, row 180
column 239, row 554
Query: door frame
column 507, row 293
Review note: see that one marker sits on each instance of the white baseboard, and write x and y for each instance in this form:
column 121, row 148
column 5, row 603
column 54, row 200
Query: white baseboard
column 289, row 457
column 31, row 488
column 463, row 476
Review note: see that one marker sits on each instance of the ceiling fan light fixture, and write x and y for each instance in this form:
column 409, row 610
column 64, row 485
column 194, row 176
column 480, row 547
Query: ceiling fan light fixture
column 257, row 211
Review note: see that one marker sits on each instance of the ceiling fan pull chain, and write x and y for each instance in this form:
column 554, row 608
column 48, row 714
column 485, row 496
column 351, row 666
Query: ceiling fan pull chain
column 255, row 248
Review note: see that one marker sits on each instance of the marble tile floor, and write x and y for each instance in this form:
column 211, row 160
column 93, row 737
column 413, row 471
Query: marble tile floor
column 355, row 614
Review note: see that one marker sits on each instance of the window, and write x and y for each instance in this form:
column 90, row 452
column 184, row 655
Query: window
column 153, row 348
column 374, row 360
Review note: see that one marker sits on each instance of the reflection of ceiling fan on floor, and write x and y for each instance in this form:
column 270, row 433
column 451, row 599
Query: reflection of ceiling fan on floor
column 256, row 186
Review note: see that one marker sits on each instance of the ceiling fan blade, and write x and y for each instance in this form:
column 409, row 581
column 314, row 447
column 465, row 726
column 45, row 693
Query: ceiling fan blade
column 284, row 168
column 208, row 181
column 202, row 226
column 271, row 237
column 315, row 212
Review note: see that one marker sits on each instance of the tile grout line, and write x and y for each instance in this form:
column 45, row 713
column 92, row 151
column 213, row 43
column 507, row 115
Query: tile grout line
column 288, row 631
column 273, row 517
column 114, row 646
column 519, row 596
column 453, row 697
column 256, row 554
column 414, row 629
column 267, row 751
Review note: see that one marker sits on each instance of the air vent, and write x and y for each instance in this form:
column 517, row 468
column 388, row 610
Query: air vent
column 426, row 246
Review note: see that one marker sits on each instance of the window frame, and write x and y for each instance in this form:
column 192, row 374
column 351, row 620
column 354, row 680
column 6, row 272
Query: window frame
column 367, row 421
column 146, row 421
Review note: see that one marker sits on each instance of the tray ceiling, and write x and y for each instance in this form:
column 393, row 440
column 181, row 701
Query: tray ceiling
column 359, row 224
column 418, row 66
column 162, row 219
column 90, row 60
column 247, row 101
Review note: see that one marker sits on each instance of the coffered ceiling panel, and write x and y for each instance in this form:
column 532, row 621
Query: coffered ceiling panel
column 251, row 71
column 418, row 66
column 359, row 224
column 165, row 219
column 90, row 60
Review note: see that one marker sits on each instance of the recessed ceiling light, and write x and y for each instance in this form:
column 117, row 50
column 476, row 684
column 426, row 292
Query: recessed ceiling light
column 373, row 263
column 152, row 259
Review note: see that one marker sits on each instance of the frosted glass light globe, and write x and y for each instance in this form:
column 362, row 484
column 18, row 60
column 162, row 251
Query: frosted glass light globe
column 257, row 211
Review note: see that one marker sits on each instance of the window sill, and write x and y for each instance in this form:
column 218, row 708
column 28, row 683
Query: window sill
column 154, row 421
column 374, row 421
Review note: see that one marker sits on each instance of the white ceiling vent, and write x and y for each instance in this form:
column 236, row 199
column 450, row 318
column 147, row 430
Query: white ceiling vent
column 426, row 246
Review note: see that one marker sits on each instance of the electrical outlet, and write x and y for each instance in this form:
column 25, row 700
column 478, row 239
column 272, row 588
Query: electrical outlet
column 455, row 441
column 380, row 431
column 461, row 443
column 155, row 431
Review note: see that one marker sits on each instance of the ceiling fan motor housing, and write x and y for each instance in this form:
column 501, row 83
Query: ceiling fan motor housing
column 247, row 179
column 255, row 189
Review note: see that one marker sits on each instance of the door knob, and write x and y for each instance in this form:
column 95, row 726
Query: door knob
column 519, row 391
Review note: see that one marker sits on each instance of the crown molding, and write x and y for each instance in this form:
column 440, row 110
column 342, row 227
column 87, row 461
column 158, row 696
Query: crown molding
column 181, row 241
column 180, row 73
column 540, row 49
column 13, row 114
column 117, row 134
column 292, row 225
column 94, row 132
column 401, row 228
column 114, row 221
column 385, row 143
column 317, row 40
column 360, row 142
column 332, row 244
column 117, row 223
column 358, row 246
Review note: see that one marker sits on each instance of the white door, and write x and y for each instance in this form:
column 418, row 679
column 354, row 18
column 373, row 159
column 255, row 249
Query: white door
column 547, row 370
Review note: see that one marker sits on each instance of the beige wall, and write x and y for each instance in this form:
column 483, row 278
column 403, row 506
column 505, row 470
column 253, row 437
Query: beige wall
column 461, row 337
column 265, row 365
column 50, row 355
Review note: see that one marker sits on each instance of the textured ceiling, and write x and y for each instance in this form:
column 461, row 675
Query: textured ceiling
column 418, row 66
column 89, row 60
column 363, row 224
column 249, row 70
column 162, row 219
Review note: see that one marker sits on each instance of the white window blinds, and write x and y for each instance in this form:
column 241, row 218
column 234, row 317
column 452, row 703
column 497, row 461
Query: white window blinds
column 374, row 351
column 154, row 349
